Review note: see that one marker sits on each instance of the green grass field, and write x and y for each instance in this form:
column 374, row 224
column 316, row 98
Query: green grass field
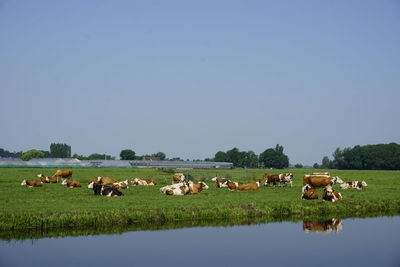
column 55, row 206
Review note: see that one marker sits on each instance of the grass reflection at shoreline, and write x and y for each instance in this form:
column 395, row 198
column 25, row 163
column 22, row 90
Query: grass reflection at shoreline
column 114, row 230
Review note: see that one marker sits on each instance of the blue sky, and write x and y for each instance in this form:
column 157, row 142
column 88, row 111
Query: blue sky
column 190, row 78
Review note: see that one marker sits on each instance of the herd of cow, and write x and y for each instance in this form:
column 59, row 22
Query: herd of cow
column 106, row 186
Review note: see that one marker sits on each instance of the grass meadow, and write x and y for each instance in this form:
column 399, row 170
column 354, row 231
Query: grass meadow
column 55, row 206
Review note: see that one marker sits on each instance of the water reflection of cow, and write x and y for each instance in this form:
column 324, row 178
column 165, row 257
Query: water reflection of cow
column 328, row 226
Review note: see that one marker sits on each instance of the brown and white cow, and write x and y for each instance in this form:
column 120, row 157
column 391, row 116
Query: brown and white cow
column 71, row 183
column 177, row 189
column 197, row 187
column 108, row 191
column 320, row 173
column 307, row 192
column 63, row 174
column 332, row 225
column 220, row 182
column 31, row 183
column 106, row 180
column 46, row 179
column 321, row 180
column 138, row 181
column 92, row 182
column 241, row 186
column 330, row 194
column 121, row 185
column 355, row 184
column 278, row 179
column 102, row 181
column 178, row 178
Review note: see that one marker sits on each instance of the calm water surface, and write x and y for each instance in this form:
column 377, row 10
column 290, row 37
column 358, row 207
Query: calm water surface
column 349, row 242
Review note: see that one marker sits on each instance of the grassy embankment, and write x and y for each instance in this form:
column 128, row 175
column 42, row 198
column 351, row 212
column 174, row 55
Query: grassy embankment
column 55, row 206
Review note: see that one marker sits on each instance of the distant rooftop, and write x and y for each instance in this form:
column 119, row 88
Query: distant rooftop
column 8, row 155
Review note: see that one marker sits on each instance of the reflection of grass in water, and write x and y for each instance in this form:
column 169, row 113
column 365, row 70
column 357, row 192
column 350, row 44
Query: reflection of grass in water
column 145, row 226
column 56, row 206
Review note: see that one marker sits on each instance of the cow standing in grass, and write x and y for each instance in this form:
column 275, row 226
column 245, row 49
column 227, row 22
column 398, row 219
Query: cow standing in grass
column 63, row 174
column 316, row 181
column 278, row 179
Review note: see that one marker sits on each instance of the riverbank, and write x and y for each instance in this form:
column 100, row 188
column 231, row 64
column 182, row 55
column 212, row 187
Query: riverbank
column 55, row 206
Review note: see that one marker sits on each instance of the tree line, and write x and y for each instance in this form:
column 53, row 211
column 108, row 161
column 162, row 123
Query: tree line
column 367, row 157
column 59, row 150
column 270, row 158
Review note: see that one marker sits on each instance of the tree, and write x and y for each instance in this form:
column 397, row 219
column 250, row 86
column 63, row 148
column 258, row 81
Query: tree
column 316, row 166
column 60, row 150
column 249, row 159
column 368, row 157
column 159, row 155
column 233, row 156
column 33, row 153
column 325, row 163
column 127, row 154
column 274, row 158
column 298, row 166
column 220, row 157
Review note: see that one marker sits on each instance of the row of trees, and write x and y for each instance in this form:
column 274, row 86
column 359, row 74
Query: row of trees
column 270, row 158
column 129, row 154
column 368, row 157
column 56, row 151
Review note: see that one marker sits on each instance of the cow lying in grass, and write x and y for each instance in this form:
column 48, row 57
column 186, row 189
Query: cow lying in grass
column 102, row 190
column 355, row 184
column 197, row 187
column 178, row 178
column 102, row 181
column 241, row 186
column 307, row 192
column 178, row 189
column 31, row 183
column 330, row 194
column 106, row 180
column 220, row 182
column 121, row 185
column 138, row 181
column 184, row 188
column 71, row 183
column 46, row 179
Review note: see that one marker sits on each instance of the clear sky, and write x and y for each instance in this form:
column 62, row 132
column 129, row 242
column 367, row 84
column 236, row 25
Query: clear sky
column 190, row 78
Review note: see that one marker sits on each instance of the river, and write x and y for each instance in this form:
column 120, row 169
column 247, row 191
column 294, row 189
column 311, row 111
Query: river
column 348, row 242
